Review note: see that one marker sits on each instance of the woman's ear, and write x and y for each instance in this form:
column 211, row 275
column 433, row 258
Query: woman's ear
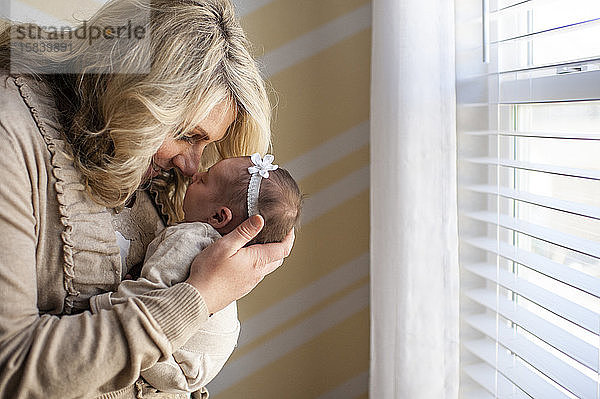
column 220, row 217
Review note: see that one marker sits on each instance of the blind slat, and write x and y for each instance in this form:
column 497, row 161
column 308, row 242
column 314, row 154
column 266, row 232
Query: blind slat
column 541, row 135
column 553, row 335
column 503, row 5
column 545, row 362
column 523, row 377
column 480, row 373
column 552, row 169
column 541, row 16
column 476, row 393
column 554, row 30
column 487, row 378
column 573, row 243
column 557, row 271
column 547, row 202
column 548, row 300
column 558, row 64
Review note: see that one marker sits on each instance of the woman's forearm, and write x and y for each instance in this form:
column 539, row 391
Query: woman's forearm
column 87, row 355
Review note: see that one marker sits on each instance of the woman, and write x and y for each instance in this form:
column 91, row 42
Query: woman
column 81, row 151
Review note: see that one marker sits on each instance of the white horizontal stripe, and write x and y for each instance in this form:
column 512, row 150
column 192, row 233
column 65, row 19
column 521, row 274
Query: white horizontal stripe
column 299, row 302
column 329, row 151
column 547, row 202
column 552, row 169
column 574, row 243
column 291, row 339
column 544, row 135
column 21, row 12
column 486, row 377
column 554, row 368
column 352, row 388
column 523, row 377
column 245, row 7
column 557, row 271
column 334, row 195
column 317, row 40
column 548, row 332
column 550, row 301
column 100, row 3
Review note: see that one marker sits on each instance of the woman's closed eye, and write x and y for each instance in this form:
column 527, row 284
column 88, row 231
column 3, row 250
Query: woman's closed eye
column 193, row 138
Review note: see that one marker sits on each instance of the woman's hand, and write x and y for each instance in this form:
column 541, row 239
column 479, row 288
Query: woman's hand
column 226, row 271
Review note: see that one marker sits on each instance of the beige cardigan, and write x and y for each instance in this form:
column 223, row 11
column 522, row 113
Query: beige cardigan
column 56, row 243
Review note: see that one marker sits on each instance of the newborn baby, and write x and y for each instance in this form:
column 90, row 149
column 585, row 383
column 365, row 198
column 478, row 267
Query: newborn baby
column 215, row 203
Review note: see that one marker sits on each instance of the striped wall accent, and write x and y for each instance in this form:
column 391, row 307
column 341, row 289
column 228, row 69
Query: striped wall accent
column 305, row 329
column 53, row 13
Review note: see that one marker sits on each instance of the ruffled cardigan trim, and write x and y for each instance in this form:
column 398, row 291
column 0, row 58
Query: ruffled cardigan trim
column 77, row 211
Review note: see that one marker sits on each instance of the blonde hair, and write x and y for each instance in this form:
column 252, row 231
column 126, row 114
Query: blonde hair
column 198, row 57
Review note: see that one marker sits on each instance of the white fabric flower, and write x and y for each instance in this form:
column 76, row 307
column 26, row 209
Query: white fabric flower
column 262, row 166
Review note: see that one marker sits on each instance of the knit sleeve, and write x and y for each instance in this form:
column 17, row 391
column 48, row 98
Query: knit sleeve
column 82, row 355
column 167, row 262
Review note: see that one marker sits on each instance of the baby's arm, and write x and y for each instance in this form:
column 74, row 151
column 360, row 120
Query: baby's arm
column 167, row 262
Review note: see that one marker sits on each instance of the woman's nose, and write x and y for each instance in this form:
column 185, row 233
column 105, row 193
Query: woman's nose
column 189, row 161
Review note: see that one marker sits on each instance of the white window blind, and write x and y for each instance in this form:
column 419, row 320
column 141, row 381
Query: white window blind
column 529, row 197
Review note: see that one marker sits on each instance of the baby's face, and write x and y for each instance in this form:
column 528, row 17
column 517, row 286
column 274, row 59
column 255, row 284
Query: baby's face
column 207, row 190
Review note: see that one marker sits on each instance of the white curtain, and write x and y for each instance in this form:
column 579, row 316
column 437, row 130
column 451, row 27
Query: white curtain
column 414, row 250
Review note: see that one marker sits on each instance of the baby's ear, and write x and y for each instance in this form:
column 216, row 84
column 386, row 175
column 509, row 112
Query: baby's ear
column 220, row 217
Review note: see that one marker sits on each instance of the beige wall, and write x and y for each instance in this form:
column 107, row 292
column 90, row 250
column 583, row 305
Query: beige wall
column 305, row 329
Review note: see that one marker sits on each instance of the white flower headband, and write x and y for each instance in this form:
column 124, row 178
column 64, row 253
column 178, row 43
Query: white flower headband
column 259, row 171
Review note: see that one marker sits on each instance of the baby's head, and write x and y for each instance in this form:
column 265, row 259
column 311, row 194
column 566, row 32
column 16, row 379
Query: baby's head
column 219, row 197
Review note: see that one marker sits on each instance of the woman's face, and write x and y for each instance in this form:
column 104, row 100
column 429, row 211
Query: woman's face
column 185, row 153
